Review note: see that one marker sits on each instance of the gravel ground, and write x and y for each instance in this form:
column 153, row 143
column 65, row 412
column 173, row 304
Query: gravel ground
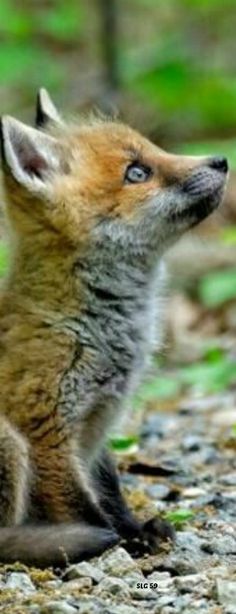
column 190, row 453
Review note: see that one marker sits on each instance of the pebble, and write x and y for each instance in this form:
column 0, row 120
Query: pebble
column 164, row 600
column 228, row 480
column 157, row 424
column 20, row 581
column 162, row 578
column 58, row 607
column 193, row 583
column 192, row 443
column 157, row 491
column 98, row 606
column 134, row 578
column 225, row 418
column 112, row 586
column 220, row 545
column 84, row 569
column 226, row 592
column 79, row 584
column 117, row 562
column 192, row 493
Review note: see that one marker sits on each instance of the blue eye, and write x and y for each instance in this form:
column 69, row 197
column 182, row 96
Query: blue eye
column 136, row 173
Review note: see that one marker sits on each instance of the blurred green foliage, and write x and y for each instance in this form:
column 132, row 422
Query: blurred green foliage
column 34, row 38
column 176, row 59
column 4, row 258
column 124, row 444
column 213, row 373
column 179, row 517
column 218, row 287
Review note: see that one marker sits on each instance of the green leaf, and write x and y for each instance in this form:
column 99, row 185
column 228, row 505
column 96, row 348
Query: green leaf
column 4, row 257
column 179, row 516
column 123, row 443
column 218, row 287
column 214, row 354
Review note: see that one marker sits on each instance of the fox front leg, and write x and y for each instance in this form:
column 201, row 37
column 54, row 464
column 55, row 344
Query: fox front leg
column 140, row 537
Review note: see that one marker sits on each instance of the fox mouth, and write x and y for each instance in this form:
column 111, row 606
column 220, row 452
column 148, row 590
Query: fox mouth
column 199, row 209
column 203, row 193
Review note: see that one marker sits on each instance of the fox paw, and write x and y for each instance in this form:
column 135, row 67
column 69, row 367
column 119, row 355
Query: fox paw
column 150, row 535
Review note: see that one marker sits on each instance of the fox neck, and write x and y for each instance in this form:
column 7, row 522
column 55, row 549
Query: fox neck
column 53, row 276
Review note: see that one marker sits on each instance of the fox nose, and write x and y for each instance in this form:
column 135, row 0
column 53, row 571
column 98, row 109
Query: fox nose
column 218, row 163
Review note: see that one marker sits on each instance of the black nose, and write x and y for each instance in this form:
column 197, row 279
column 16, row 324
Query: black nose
column 219, row 163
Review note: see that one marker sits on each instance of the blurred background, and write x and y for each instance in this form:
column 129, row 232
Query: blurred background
column 168, row 67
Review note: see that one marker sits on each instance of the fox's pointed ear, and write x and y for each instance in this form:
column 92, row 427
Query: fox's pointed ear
column 31, row 157
column 46, row 111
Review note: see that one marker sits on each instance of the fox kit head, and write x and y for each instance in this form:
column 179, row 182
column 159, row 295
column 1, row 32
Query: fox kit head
column 103, row 184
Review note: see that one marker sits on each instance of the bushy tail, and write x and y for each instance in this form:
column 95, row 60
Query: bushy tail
column 53, row 545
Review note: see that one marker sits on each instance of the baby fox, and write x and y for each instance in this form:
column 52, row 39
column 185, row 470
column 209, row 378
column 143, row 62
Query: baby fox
column 91, row 209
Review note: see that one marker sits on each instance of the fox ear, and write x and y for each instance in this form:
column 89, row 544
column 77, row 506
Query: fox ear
column 46, row 111
column 30, row 156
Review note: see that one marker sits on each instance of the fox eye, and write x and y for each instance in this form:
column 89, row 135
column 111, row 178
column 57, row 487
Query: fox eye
column 137, row 173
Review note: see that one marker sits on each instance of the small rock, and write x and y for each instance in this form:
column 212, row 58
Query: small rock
column 188, row 540
column 192, row 443
column 112, row 586
column 117, row 562
column 226, row 593
column 160, row 506
column 228, row 480
column 163, row 580
column 221, row 571
column 225, row 418
column 143, row 591
column 157, row 491
column 58, row 607
column 157, row 424
column 193, row 583
column 165, row 600
column 79, row 584
column 160, row 577
column 134, row 578
column 82, row 570
column 100, row 606
column 21, row 581
column 192, row 493
column 53, row 583
column 220, row 545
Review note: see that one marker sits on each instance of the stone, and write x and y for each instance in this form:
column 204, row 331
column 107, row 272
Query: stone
column 220, row 545
column 228, row 480
column 79, row 584
column 21, row 581
column 226, row 593
column 84, row 569
column 117, row 562
column 112, row 586
column 192, row 443
column 143, row 592
column 192, row 493
column 157, row 491
column 58, row 607
column 193, row 583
